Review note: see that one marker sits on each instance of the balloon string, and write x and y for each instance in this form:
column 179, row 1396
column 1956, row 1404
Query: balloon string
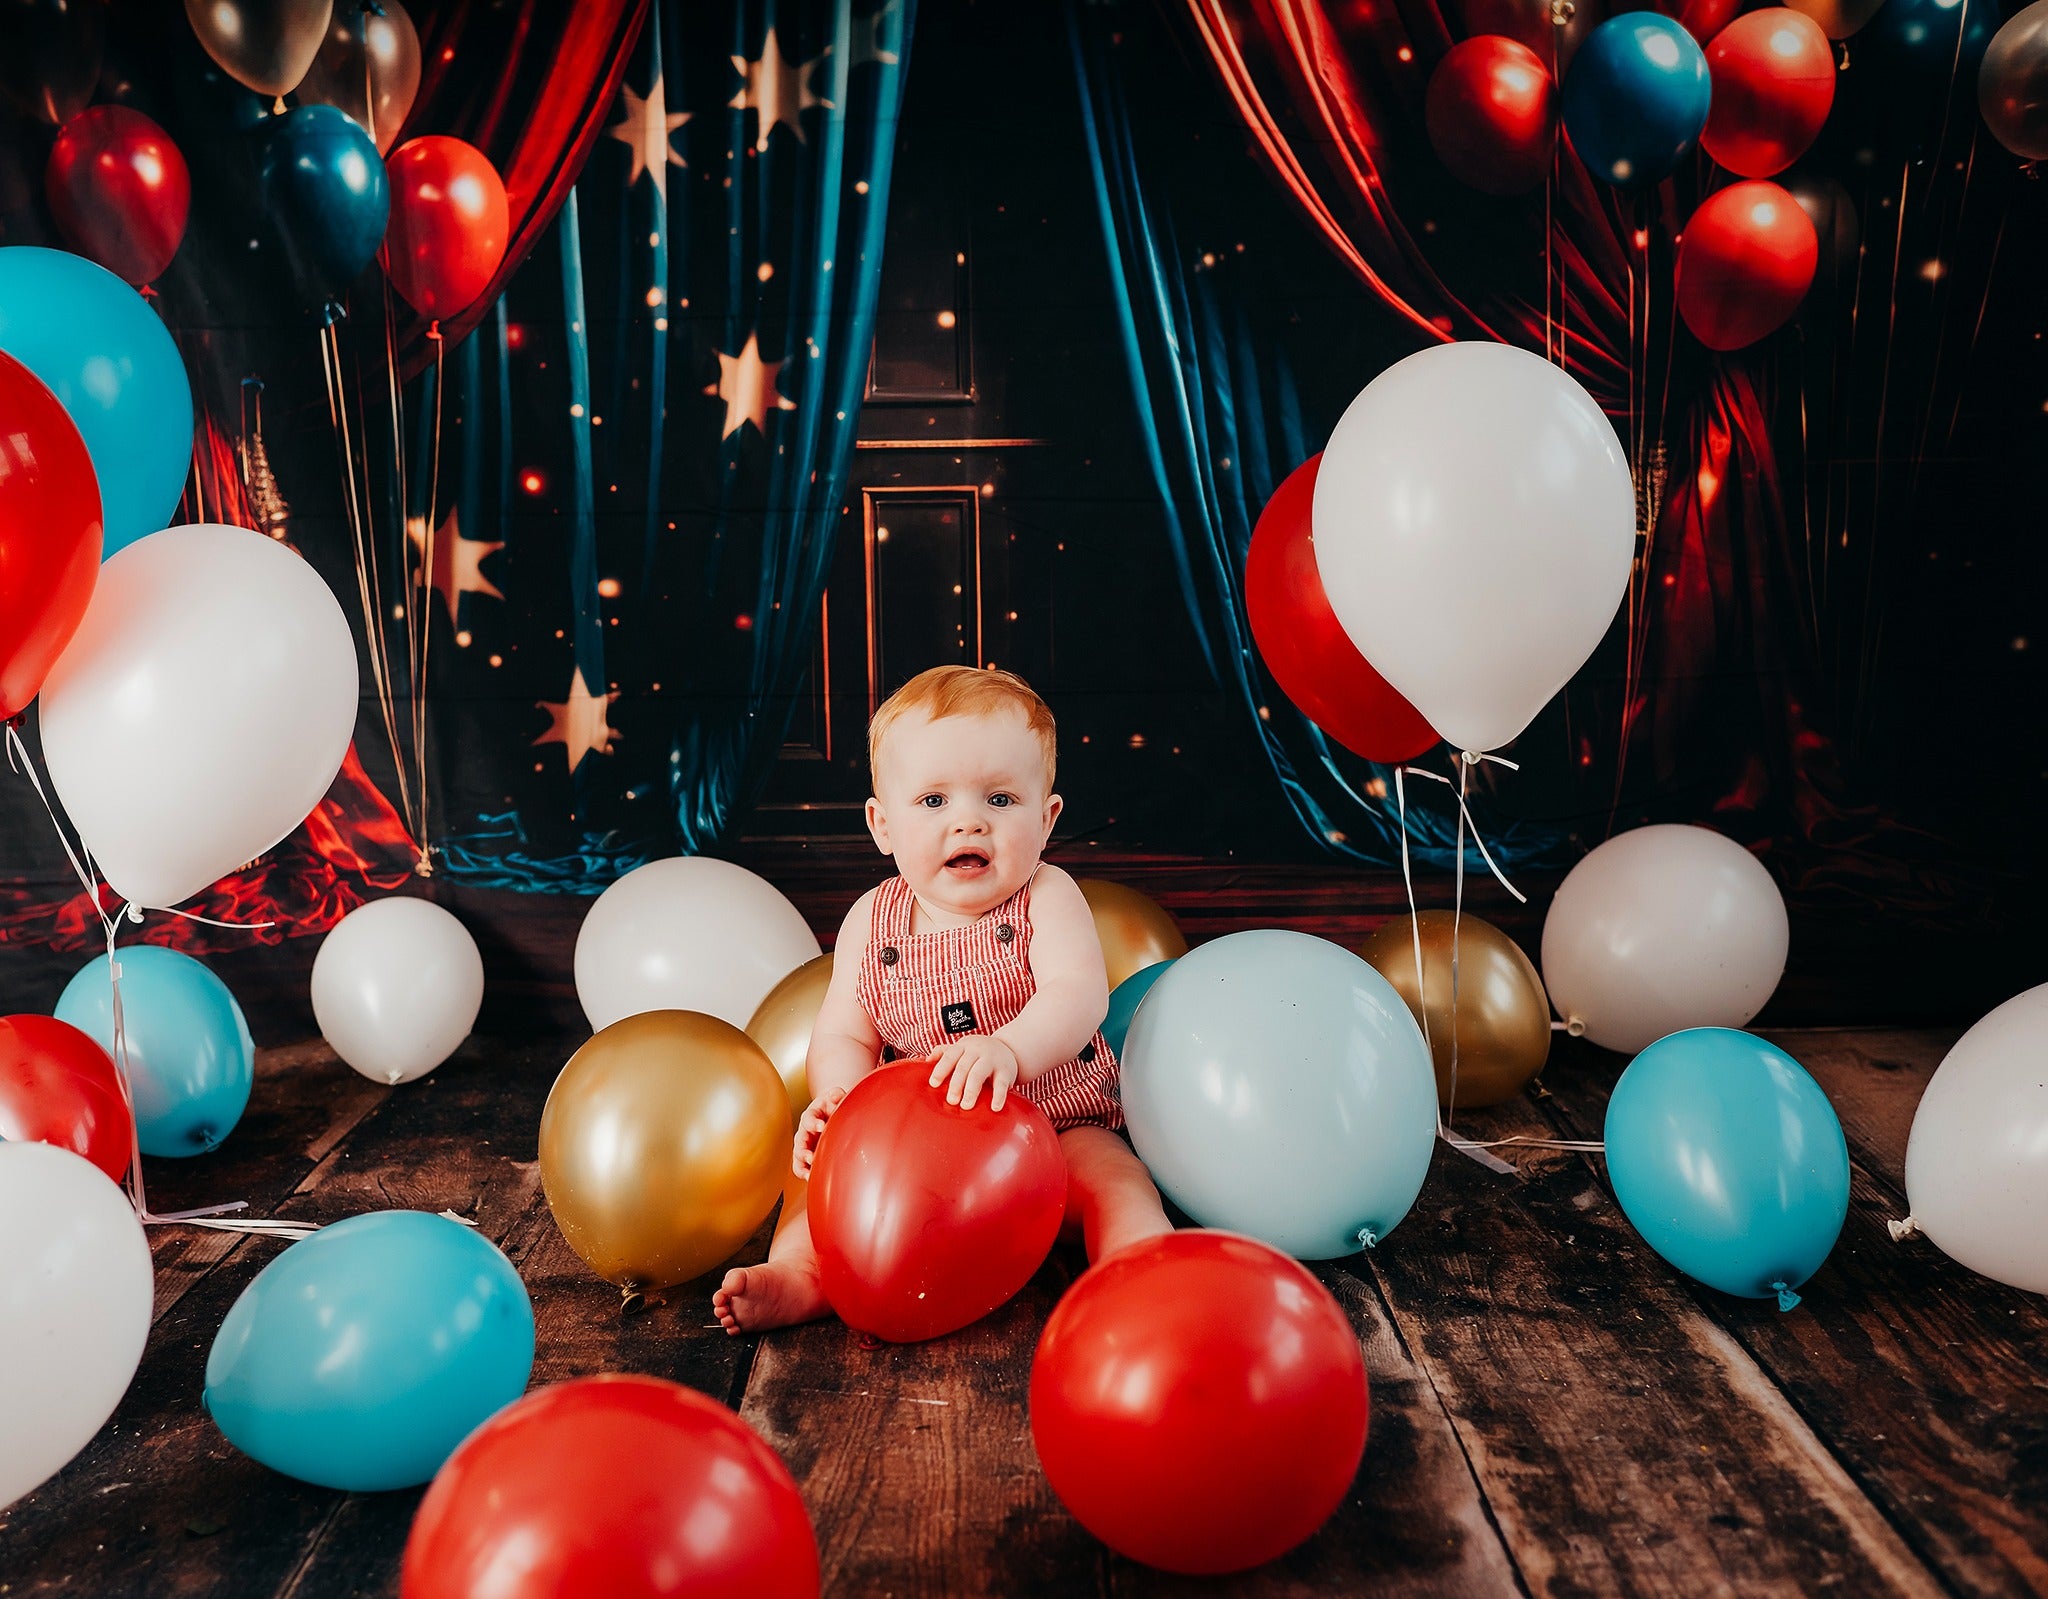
column 1472, row 758
column 110, row 925
column 1589, row 1146
column 419, row 592
column 369, row 588
column 424, row 867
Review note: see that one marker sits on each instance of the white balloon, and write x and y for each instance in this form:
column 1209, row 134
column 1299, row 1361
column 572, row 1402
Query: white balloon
column 396, row 988
column 1977, row 1159
column 688, row 933
column 1661, row 929
column 1474, row 523
column 201, row 710
column 76, row 1291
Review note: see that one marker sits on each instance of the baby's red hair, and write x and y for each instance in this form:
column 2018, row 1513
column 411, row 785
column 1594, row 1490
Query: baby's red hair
column 965, row 691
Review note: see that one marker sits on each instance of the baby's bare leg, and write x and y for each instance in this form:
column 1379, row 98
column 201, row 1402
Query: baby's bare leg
column 785, row 1289
column 1109, row 1192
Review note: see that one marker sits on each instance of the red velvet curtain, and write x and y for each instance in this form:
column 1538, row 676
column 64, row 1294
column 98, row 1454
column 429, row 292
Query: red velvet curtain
column 1330, row 91
column 530, row 85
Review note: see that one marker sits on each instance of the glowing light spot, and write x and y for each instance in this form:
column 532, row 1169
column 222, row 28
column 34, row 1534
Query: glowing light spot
column 947, row 319
column 463, row 638
column 1404, row 54
column 1933, row 271
column 765, row 271
column 654, row 296
column 575, row 410
column 608, row 587
column 497, row 660
column 744, row 623
column 532, row 482
column 515, row 336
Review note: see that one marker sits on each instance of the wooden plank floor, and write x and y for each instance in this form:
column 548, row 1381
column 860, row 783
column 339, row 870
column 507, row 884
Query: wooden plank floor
column 1555, row 1411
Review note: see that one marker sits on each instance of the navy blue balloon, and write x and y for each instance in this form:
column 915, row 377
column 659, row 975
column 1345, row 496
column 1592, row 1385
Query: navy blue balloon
column 1729, row 1160
column 361, row 1356
column 1123, row 1003
column 191, row 1062
column 1927, row 35
column 1636, row 98
column 324, row 184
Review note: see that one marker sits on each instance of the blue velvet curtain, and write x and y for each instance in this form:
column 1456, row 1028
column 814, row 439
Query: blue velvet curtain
column 656, row 431
column 1221, row 424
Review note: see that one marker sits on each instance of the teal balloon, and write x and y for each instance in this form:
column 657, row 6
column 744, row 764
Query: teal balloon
column 1728, row 1159
column 1937, row 41
column 1276, row 1085
column 361, row 1356
column 1636, row 98
column 324, row 184
column 190, row 1058
column 1123, row 1004
column 111, row 363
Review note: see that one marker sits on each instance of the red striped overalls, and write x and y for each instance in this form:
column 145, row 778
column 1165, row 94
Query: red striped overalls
column 923, row 990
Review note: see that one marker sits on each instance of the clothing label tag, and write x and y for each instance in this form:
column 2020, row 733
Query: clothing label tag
column 958, row 1018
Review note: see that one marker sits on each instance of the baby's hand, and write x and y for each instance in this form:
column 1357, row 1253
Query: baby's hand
column 972, row 1061
column 811, row 1128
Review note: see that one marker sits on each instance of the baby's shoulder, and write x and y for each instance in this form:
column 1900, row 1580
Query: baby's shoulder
column 853, row 930
column 1053, row 887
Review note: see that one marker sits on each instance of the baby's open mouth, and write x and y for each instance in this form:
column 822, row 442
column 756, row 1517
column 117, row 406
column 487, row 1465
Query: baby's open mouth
column 967, row 860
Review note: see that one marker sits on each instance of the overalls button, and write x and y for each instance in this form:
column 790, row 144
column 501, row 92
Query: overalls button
column 888, row 956
column 1005, row 933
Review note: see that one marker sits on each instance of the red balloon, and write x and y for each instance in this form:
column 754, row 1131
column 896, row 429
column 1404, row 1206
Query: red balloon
column 1492, row 114
column 1773, row 82
column 57, row 1086
column 1306, row 648
column 49, row 532
column 614, row 1487
column 120, row 191
column 1700, row 18
column 1745, row 262
column 1199, row 1402
column 926, row 1216
column 450, row 223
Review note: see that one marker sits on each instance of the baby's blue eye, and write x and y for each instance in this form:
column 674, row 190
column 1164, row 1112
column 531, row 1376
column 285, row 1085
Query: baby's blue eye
column 1001, row 802
column 932, row 802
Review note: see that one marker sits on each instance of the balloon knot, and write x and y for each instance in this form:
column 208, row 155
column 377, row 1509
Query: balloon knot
column 147, row 292
column 424, row 866
column 1470, row 757
column 1574, row 1027
column 631, row 1301
column 135, row 914
column 332, row 312
column 1902, row 1230
column 1367, row 1238
column 1787, row 1300
column 434, row 329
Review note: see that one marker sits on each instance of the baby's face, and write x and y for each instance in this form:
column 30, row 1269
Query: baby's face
column 962, row 804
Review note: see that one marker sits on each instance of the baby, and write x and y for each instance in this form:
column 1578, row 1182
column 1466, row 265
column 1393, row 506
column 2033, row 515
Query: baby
column 979, row 958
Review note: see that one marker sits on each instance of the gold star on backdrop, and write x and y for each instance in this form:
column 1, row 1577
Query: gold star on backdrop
column 458, row 562
column 645, row 131
column 578, row 723
column 777, row 88
column 747, row 385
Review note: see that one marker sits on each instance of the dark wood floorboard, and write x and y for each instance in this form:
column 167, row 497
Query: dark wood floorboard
column 1928, row 1382
column 1555, row 1411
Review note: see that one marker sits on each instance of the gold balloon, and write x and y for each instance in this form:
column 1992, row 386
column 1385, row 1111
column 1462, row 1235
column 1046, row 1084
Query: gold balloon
column 369, row 67
column 1838, row 18
column 782, row 1025
column 1134, row 930
column 267, row 44
column 664, row 1143
column 1503, row 1012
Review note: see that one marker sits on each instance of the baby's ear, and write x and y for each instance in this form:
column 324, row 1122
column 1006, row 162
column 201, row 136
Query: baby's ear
column 1053, row 807
column 878, row 825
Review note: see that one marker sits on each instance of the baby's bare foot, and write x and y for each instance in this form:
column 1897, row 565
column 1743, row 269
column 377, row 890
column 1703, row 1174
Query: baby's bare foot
column 755, row 1298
